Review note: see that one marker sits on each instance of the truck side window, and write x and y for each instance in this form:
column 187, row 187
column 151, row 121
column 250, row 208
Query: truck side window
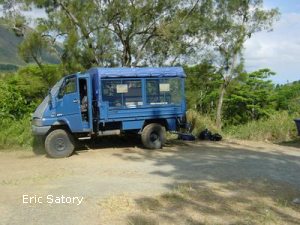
column 122, row 93
column 153, row 91
column 109, row 93
column 175, row 90
column 163, row 91
column 69, row 86
column 133, row 98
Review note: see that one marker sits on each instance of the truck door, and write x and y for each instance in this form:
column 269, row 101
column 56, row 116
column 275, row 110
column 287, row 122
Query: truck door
column 85, row 96
column 68, row 104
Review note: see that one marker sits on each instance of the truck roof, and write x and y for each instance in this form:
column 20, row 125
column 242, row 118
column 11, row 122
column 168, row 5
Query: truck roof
column 138, row 72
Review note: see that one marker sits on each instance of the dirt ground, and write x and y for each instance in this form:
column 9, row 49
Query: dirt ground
column 228, row 182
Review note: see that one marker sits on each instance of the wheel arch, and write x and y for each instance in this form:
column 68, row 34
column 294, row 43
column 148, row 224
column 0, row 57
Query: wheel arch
column 60, row 124
column 162, row 122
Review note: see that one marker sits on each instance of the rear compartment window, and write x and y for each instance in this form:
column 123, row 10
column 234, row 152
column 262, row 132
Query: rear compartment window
column 122, row 93
column 133, row 98
column 163, row 91
column 109, row 93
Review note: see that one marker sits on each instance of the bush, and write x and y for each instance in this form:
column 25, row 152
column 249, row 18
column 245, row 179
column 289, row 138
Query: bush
column 278, row 127
column 15, row 133
column 200, row 122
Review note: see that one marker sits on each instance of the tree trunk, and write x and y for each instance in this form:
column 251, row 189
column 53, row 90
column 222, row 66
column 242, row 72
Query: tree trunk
column 227, row 79
column 220, row 106
column 126, row 53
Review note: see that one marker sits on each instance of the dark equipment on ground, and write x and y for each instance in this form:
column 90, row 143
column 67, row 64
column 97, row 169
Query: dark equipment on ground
column 186, row 137
column 208, row 135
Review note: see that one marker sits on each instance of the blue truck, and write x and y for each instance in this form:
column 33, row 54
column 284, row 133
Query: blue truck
column 111, row 101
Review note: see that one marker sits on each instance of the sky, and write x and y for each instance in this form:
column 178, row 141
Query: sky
column 278, row 50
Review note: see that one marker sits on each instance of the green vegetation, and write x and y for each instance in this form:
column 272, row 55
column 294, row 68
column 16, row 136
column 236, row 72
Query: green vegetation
column 15, row 133
column 200, row 122
column 21, row 92
column 279, row 127
column 255, row 109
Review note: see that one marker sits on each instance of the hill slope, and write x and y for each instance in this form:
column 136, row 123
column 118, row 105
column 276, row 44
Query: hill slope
column 9, row 43
column 9, row 47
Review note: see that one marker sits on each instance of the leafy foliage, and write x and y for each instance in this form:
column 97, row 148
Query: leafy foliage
column 15, row 133
column 18, row 97
column 202, row 87
column 252, row 97
column 110, row 33
column 288, row 97
column 278, row 127
column 13, row 104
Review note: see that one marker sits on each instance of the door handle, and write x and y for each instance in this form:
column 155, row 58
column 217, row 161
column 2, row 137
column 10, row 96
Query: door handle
column 75, row 100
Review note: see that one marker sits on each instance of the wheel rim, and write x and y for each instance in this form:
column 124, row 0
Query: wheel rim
column 60, row 144
column 154, row 137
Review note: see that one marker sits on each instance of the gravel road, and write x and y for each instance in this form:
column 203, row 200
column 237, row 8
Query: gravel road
column 35, row 189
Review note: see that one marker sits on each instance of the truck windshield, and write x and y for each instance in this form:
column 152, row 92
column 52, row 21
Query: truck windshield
column 56, row 87
column 42, row 107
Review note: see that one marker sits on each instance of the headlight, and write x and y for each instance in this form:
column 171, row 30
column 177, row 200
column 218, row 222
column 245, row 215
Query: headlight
column 37, row 122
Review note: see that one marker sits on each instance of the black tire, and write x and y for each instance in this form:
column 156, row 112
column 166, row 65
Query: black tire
column 59, row 144
column 154, row 136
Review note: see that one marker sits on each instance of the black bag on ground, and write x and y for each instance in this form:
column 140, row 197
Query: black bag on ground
column 205, row 135
column 216, row 137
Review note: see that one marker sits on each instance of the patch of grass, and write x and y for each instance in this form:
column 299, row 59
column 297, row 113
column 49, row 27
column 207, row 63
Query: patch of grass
column 118, row 203
column 240, row 202
column 172, row 197
column 15, row 133
column 279, row 127
column 149, row 204
column 141, row 220
column 200, row 122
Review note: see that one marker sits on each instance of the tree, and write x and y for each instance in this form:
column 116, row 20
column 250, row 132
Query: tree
column 32, row 48
column 12, row 16
column 288, row 97
column 252, row 97
column 202, row 86
column 116, row 32
column 232, row 23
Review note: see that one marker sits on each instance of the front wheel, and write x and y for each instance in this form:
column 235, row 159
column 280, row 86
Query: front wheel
column 154, row 136
column 59, row 144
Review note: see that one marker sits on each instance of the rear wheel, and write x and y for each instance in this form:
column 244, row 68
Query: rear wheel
column 59, row 144
column 154, row 136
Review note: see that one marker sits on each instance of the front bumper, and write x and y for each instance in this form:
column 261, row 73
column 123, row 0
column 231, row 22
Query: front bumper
column 36, row 130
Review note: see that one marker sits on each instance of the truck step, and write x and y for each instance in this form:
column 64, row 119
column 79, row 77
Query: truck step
column 109, row 132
